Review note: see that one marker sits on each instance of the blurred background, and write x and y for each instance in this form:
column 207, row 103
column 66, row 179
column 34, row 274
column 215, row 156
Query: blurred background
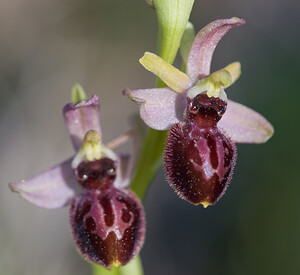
column 48, row 45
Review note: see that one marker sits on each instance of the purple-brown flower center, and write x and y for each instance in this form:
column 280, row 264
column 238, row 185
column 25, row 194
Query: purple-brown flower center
column 205, row 111
column 96, row 175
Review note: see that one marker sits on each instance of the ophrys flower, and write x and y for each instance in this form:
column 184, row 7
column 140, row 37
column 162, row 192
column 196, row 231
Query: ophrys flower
column 200, row 153
column 107, row 219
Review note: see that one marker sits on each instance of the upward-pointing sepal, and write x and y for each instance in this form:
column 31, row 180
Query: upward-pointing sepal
column 82, row 117
column 203, row 47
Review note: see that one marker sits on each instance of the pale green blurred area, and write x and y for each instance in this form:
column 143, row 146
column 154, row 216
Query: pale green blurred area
column 46, row 46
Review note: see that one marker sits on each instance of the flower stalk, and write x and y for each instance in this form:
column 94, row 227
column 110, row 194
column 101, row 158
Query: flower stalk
column 133, row 268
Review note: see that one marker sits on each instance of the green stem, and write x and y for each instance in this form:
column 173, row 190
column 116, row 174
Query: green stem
column 150, row 161
column 133, row 268
column 100, row 270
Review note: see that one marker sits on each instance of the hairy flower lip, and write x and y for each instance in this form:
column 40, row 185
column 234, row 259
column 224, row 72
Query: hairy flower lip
column 199, row 158
column 113, row 250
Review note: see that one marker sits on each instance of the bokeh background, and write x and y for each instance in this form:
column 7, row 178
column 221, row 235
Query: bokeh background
column 48, row 45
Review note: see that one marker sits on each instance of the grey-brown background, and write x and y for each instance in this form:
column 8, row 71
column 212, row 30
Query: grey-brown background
column 48, row 45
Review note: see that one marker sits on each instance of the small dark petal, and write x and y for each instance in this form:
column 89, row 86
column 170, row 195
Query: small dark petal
column 108, row 227
column 198, row 162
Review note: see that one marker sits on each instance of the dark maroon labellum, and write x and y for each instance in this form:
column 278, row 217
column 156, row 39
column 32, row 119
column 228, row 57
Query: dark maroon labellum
column 199, row 159
column 107, row 223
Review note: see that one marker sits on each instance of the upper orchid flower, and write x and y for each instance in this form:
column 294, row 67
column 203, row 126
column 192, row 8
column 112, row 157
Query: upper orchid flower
column 200, row 153
column 107, row 220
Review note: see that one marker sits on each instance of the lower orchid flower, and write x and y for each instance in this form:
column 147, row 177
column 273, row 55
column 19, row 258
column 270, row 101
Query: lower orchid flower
column 107, row 219
column 200, row 153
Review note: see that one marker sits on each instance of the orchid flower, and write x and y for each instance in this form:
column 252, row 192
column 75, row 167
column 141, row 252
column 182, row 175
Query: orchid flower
column 200, row 152
column 107, row 219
